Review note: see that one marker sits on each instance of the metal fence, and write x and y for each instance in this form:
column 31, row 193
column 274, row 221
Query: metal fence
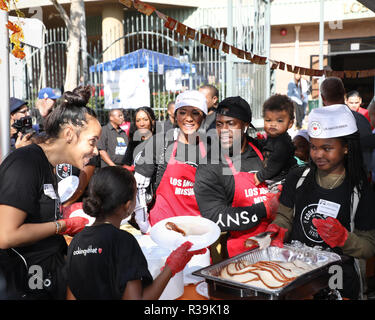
column 47, row 66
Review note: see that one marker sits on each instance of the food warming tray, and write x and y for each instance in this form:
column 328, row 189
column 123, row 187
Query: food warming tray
column 305, row 285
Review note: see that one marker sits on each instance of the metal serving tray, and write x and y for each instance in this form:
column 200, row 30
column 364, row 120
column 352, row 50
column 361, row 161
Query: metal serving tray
column 305, row 285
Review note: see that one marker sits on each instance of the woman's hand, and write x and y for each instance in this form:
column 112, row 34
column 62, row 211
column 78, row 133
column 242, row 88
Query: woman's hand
column 272, row 204
column 277, row 236
column 180, row 257
column 331, row 231
column 72, row 226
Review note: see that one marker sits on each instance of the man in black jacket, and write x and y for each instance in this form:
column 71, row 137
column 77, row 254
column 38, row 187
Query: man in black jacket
column 224, row 187
column 332, row 91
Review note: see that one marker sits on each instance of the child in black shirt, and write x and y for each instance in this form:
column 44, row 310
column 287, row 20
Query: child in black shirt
column 105, row 262
column 278, row 148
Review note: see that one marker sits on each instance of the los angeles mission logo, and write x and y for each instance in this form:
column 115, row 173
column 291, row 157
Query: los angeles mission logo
column 307, row 215
column 64, row 170
column 315, row 129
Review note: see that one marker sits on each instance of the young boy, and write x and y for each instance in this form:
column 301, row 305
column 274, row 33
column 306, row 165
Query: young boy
column 301, row 142
column 278, row 148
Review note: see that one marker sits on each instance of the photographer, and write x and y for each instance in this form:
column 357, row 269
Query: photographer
column 20, row 124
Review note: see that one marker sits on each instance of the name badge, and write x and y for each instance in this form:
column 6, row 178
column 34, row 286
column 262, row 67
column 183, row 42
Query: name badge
column 49, row 191
column 328, row 208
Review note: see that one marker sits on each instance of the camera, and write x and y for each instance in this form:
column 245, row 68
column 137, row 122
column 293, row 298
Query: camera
column 24, row 125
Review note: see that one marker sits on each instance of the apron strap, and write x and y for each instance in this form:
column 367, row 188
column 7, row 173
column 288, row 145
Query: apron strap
column 257, row 151
column 230, row 163
column 302, row 178
column 353, row 209
column 202, row 149
column 299, row 183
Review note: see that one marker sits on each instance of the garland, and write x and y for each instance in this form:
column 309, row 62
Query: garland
column 17, row 33
column 173, row 24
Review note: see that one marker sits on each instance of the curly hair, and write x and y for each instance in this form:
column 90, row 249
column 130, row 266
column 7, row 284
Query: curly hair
column 279, row 102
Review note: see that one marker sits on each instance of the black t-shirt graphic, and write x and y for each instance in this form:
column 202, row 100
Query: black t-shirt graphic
column 306, row 199
column 101, row 260
column 27, row 182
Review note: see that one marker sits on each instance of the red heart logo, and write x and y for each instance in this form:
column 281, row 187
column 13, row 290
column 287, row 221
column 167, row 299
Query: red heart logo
column 100, row 250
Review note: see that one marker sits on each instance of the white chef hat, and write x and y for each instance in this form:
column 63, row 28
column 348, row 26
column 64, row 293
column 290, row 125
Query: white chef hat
column 331, row 122
column 191, row 98
column 303, row 133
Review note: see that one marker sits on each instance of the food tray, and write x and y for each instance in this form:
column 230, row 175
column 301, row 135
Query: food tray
column 306, row 284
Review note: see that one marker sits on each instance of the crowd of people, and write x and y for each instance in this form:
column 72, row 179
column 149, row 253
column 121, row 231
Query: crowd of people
column 205, row 160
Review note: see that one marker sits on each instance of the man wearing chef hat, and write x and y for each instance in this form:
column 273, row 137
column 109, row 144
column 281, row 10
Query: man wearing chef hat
column 328, row 203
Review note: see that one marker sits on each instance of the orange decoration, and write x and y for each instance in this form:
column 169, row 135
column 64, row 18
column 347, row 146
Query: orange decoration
column 190, row 33
column 144, row 8
column 225, row 47
column 206, row 40
column 13, row 27
column 181, row 29
column 17, row 36
column 127, row 3
column 4, row 5
column 18, row 53
column 170, row 23
column 248, row 56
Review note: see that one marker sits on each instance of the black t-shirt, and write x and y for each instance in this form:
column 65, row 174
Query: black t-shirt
column 364, row 129
column 310, row 192
column 305, row 200
column 101, row 260
column 214, row 190
column 27, row 183
column 133, row 150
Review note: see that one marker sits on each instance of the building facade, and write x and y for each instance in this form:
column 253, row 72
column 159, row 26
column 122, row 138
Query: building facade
column 349, row 41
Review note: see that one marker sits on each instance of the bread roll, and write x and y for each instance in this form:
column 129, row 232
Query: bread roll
column 187, row 228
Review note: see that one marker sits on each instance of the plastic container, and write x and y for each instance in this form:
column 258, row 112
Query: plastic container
column 197, row 262
column 156, row 258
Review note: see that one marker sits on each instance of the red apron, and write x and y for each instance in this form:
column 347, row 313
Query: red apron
column 175, row 194
column 246, row 194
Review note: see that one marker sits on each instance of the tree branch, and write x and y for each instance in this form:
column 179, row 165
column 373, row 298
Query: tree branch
column 63, row 13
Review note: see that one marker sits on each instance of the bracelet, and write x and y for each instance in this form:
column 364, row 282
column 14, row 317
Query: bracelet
column 58, row 227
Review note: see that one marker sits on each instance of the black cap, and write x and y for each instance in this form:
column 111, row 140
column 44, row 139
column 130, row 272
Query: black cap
column 15, row 104
column 235, row 107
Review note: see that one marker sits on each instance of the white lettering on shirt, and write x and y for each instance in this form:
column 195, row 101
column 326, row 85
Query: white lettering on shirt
column 89, row 250
column 236, row 219
column 182, row 187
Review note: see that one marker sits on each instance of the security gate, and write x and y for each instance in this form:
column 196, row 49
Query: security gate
column 203, row 64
